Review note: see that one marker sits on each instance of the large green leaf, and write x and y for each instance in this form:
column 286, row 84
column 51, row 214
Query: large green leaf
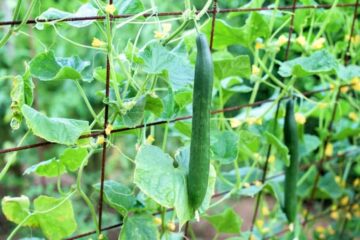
column 58, row 130
column 225, row 146
column 232, row 66
column 308, row 145
column 157, row 177
column 157, row 59
column 129, row 6
column 73, row 157
column 225, row 35
column 139, row 227
column 49, row 168
column 319, row 62
column 55, row 217
column 47, row 67
column 348, row 72
column 16, row 209
column 226, row 222
column 329, row 187
column 85, row 10
column 118, row 196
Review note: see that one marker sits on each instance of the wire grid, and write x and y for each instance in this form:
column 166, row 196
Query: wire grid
column 214, row 13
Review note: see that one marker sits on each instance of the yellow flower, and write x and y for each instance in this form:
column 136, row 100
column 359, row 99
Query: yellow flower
column 329, row 150
column 97, row 43
column 108, row 129
column 334, row 207
column 100, row 140
column 301, row 41
column 355, row 83
column 356, row 182
column 355, row 206
column 252, row 237
column 334, row 215
column 338, row 179
column 322, row 105
column 257, row 183
column 271, row 159
column 101, row 237
column 353, row 116
column 234, row 123
column 259, row 223
column 166, row 27
column 318, row 44
column 344, row 89
column 291, row 227
column 110, row 9
column 150, row 139
column 259, row 45
column 157, row 220
column 332, row 86
column 265, row 211
column 282, row 40
column 171, row 226
column 300, row 118
column 344, row 201
column 246, row 185
column 322, row 236
column 255, row 70
column 320, row 229
column 331, row 230
column 348, row 216
column 159, row 35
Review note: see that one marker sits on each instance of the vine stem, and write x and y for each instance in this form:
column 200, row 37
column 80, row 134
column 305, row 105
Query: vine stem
column 13, row 157
column 7, row 36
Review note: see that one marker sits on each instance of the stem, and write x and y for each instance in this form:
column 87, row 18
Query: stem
column 12, row 160
column 177, row 31
column 6, row 37
column 86, row 100
column 83, row 195
column 165, row 136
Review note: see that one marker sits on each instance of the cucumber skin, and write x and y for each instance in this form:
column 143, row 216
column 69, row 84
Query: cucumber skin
column 291, row 172
column 200, row 137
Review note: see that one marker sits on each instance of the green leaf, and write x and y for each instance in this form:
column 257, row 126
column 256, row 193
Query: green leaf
column 157, row 59
column 47, row 67
column 226, row 35
column 73, row 157
column 58, row 130
column 117, row 196
column 306, row 182
column 319, row 62
column 129, row 6
column 154, row 104
column 49, row 168
column 226, row 222
column 16, row 209
column 21, row 93
column 53, row 13
column 100, row 75
column 55, row 217
column 139, row 227
column 157, row 177
column 225, row 146
column 184, row 128
column 234, row 66
column 329, row 187
column 348, row 72
column 183, row 97
column 308, row 145
column 280, row 147
column 135, row 114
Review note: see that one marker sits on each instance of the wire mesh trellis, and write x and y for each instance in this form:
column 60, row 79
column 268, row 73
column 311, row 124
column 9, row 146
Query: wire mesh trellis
column 214, row 11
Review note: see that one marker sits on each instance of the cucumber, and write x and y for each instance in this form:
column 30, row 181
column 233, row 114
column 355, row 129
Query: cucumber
column 200, row 137
column 291, row 172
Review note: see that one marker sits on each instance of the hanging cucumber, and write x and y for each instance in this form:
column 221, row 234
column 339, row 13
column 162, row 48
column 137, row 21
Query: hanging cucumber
column 291, row 172
column 200, row 138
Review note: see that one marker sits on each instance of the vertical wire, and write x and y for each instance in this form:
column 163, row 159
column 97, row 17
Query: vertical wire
column 106, row 121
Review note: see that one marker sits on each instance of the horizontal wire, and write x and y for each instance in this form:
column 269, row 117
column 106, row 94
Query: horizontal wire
column 216, row 195
column 177, row 13
column 229, row 109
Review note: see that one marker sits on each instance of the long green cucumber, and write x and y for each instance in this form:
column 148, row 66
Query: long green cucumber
column 200, row 137
column 291, row 172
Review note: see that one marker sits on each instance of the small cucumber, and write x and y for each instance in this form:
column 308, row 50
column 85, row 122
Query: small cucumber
column 291, row 172
column 200, row 137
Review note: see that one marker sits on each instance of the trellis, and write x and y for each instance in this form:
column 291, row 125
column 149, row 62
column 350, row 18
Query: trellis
column 214, row 11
